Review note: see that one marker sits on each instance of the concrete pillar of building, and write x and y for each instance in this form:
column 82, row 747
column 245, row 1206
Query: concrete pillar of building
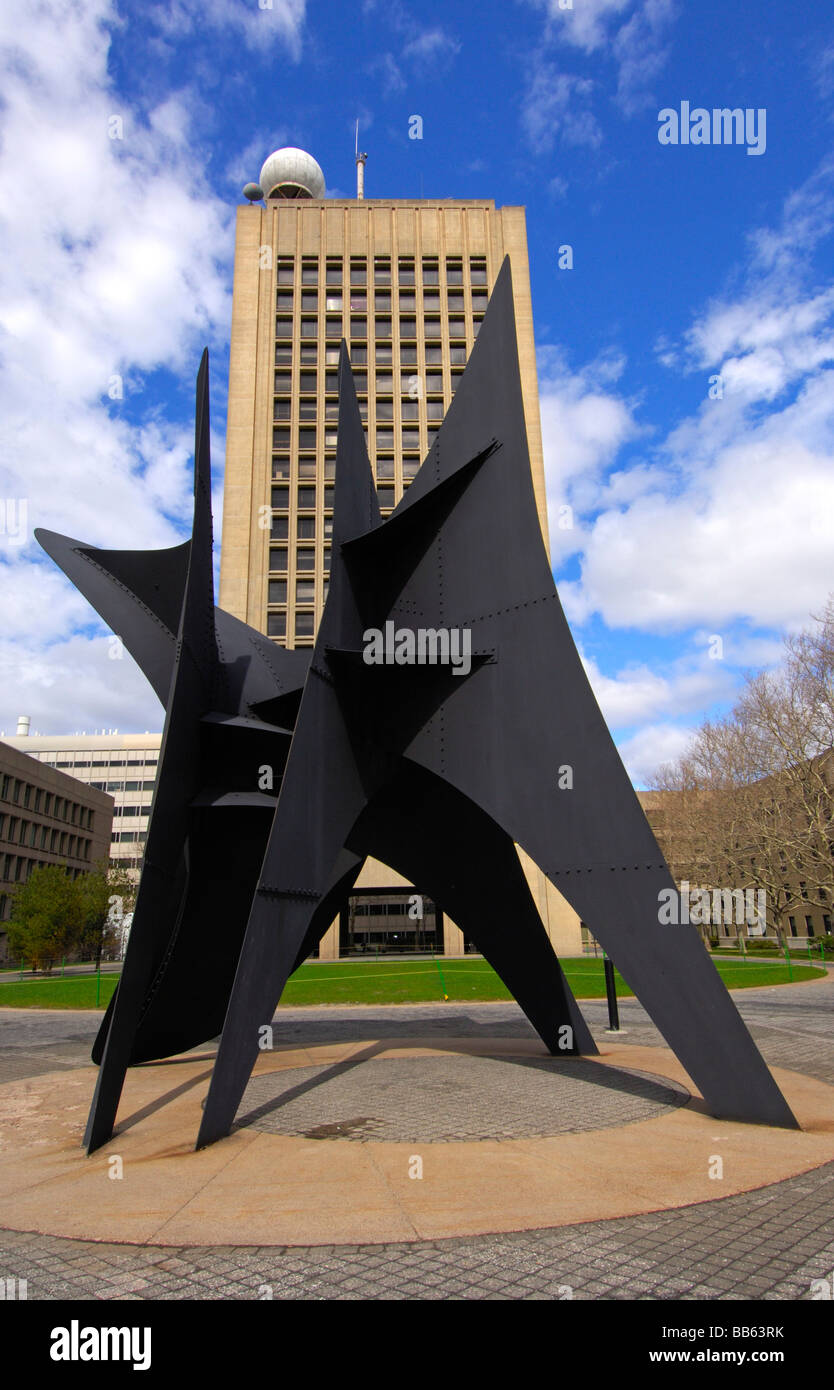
column 329, row 944
column 452, row 938
column 560, row 921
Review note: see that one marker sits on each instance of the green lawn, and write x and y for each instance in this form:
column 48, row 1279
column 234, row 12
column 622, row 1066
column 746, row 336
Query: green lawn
column 72, row 992
column 393, row 982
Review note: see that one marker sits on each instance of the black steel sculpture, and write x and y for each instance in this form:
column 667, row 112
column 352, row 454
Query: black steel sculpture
column 428, row 729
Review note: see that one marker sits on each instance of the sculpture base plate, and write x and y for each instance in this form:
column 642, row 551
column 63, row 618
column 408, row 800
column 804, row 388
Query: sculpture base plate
column 266, row 1188
column 453, row 1099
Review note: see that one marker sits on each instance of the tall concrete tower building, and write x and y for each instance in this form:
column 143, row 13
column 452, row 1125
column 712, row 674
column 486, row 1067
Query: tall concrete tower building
column 405, row 282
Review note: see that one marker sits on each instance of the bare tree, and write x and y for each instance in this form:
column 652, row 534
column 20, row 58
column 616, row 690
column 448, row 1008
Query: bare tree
column 751, row 801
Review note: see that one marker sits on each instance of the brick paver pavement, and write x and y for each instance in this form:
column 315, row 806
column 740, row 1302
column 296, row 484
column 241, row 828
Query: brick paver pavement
column 768, row 1244
column 444, row 1099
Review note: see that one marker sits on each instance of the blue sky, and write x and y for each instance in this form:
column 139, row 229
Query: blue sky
column 703, row 528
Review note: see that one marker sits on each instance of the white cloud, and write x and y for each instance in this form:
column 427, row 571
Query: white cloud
column 245, row 164
column 632, row 695
column 647, row 750
column 583, row 427
column 73, row 685
column 556, row 105
column 741, row 649
column 116, row 264
column 431, row 47
column 637, row 692
column 36, row 605
column 761, row 344
column 641, row 52
column 633, row 34
column 261, row 23
column 586, row 25
column 426, row 51
column 730, row 518
column 823, row 69
column 650, row 701
column 807, row 218
column 746, row 534
column 386, row 67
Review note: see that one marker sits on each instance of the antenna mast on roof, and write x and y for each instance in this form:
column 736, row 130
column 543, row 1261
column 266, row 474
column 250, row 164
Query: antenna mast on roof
column 360, row 168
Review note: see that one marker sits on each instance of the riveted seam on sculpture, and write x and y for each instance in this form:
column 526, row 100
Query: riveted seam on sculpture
column 267, row 890
column 125, row 590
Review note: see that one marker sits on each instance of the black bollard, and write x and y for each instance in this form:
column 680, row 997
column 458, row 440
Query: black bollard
column 611, row 991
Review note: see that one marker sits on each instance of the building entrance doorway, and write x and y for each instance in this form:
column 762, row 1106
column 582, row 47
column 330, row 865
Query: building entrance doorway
column 379, row 921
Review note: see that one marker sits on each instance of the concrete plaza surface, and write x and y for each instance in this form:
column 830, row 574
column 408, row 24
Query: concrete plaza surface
column 770, row 1242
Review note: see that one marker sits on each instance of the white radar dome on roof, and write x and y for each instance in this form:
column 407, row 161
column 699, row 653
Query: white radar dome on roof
column 291, row 173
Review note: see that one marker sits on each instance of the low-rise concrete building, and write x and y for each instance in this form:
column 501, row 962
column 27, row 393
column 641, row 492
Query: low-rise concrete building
column 46, row 817
column 123, row 765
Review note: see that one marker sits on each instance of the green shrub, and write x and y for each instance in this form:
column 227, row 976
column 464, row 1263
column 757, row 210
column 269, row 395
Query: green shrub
column 46, row 918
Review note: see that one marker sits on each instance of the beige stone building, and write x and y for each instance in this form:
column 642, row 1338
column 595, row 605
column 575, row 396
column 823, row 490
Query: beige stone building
column 406, row 283
column 46, row 818
column 798, row 912
column 123, row 765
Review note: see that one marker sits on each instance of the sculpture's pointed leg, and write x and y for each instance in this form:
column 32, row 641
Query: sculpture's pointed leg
column 325, row 787
column 524, row 739
column 162, row 888
column 279, row 924
column 470, row 867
